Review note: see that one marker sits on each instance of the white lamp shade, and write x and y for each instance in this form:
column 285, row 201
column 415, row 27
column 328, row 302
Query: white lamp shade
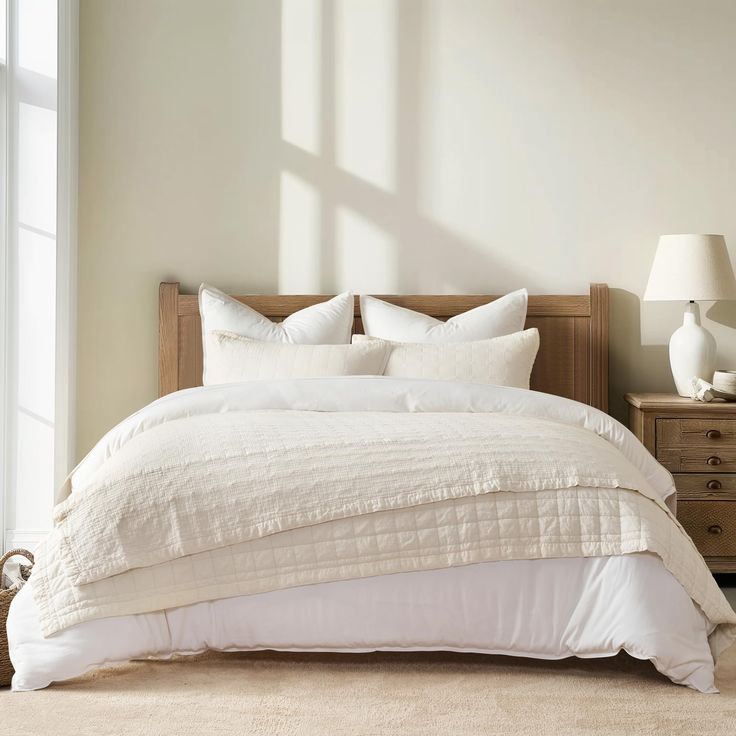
column 691, row 267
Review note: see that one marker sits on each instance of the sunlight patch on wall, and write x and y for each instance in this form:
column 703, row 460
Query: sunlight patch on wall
column 366, row 255
column 299, row 236
column 300, row 73
column 365, row 90
column 470, row 155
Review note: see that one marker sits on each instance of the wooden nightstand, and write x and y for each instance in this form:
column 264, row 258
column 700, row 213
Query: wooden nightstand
column 696, row 442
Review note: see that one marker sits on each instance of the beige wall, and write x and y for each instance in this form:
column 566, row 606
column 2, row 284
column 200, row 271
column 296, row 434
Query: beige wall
column 378, row 145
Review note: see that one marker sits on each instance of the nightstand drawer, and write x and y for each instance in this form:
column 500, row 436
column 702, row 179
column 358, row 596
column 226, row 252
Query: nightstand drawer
column 696, row 432
column 711, row 524
column 697, row 486
column 697, row 459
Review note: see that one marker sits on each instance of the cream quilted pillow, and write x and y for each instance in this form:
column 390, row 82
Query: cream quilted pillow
column 232, row 358
column 502, row 361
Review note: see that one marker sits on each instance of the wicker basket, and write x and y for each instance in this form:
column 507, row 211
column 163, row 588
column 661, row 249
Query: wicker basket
column 6, row 597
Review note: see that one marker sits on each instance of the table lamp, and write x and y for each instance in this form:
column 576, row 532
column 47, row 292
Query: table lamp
column 691, row 268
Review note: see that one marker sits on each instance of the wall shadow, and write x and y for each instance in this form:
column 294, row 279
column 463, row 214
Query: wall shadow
column 430, row 258
column 179, row 122
column 427, row 256
column 724, row 313
column 632, row 366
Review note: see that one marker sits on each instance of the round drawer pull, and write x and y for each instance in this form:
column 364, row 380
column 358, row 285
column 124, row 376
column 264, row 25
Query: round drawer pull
column 713, row 485
column 712, row 434
column 714, row 529
column 713, row 460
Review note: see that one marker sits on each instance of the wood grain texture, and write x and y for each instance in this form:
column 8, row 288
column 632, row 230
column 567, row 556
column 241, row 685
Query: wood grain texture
column 582, row 361
column 599, row 345
column 711, row 432
column 684, row 435
column 712, row 526
column 554, row 367
column 680, row 404
column 721, row 564
column 572, row 360
column 190, row 351
column 697, row 459
column 643, row 425
column 441, row 306
column 168, row 338
column 704, row 486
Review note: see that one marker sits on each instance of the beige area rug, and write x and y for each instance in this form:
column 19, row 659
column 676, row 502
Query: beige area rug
column 453, row 694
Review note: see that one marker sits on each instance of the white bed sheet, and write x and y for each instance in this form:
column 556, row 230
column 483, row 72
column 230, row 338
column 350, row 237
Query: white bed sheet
column 550, row 609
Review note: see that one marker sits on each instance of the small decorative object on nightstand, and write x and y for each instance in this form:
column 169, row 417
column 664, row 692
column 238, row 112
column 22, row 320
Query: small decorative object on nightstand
column 691, row 268
column 696, row 442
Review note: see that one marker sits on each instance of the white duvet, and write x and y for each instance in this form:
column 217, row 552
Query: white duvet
column 239, row 490
column 547, row 609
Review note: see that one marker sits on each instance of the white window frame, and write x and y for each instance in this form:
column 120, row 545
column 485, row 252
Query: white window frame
column 67, row 107
column 4, row 296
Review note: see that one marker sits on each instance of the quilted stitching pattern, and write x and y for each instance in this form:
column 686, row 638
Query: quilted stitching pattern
column 501, row 361
column 184, row 487
column 568, row 523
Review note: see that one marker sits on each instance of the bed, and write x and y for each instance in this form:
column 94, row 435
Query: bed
column 364, row 513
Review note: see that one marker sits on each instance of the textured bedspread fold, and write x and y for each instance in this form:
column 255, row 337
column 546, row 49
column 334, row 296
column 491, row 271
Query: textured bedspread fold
column 254, row 487
column 219, row 479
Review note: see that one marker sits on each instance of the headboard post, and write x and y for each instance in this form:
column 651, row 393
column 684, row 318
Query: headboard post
column 599, row 346
column 168, row 338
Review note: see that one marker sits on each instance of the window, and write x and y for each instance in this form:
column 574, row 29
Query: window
column 32, row 263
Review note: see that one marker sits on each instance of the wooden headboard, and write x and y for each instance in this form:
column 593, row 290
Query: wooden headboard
column 572, row 359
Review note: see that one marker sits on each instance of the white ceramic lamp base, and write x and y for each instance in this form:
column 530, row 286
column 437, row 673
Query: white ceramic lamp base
column 692, row 351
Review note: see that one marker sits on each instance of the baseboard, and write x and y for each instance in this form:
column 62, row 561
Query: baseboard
column 26, row 538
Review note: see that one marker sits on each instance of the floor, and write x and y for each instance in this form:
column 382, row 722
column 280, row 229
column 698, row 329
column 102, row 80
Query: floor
column 408, row 694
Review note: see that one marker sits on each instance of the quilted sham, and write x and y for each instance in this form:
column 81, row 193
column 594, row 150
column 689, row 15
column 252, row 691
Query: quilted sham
column 501, row 361
column 232, row 358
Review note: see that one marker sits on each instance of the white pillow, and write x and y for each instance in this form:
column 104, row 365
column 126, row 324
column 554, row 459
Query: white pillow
column 389, row 322
column 233, row 358
column 328, row 323
column 502, row 361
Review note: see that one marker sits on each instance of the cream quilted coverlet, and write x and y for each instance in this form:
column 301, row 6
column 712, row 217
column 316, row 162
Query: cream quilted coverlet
column 234, row 490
